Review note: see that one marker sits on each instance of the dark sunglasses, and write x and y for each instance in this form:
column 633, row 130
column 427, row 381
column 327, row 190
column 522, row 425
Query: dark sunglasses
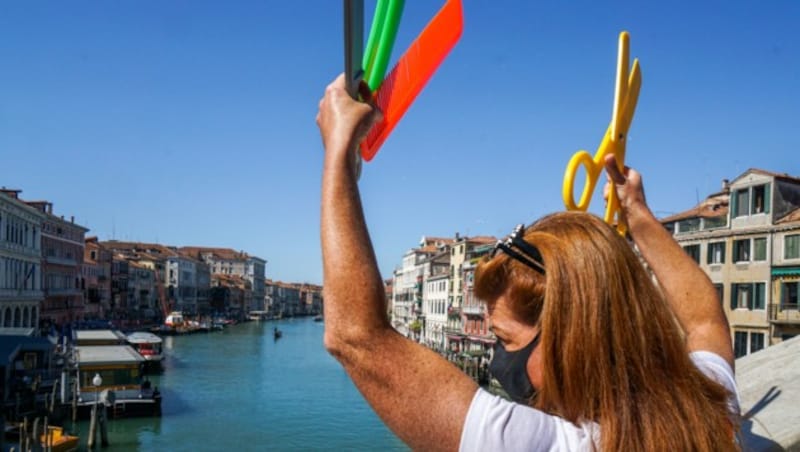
column 520, row 250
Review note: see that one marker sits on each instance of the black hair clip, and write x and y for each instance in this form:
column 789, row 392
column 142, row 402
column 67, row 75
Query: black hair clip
column 527, row 254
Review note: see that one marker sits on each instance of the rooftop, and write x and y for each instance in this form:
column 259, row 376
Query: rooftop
column 107, row 354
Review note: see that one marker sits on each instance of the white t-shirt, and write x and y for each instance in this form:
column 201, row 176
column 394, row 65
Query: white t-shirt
column 495, row 424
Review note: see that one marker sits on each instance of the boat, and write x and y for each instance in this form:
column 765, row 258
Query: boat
column 278, row 333
column 174, row 320
column 56, row 440
column 149, row 346
column 318, row 318
column 122, row 388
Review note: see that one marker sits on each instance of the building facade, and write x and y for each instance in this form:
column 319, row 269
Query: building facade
column 744, row 238
column 62, row 262
column 21, row 294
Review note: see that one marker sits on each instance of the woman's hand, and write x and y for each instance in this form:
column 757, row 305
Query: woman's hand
column 629, row 188
column 343, row 122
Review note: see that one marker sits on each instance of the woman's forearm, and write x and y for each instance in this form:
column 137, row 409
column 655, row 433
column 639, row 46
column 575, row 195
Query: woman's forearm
column 687, row 288
column 354, row 296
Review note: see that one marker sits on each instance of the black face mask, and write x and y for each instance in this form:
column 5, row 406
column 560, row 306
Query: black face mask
column 510, row 370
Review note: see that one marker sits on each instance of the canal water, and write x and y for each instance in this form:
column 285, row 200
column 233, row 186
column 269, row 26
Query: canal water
column 242, row 390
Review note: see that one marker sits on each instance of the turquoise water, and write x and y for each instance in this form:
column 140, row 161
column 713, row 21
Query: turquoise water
column 240, row 390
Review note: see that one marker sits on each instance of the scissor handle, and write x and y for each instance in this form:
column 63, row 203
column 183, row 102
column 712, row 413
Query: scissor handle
column 581, row 158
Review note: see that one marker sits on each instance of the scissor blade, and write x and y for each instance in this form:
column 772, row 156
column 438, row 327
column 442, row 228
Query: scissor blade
column 621, row 86
column 634, row 84
column 412, row 72
column 353, row 44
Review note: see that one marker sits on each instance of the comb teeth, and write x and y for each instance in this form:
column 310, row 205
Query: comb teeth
column 412, row 72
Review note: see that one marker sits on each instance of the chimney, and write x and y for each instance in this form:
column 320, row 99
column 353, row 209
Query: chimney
column 457, row 236
column 726, row 185
column 72, row 219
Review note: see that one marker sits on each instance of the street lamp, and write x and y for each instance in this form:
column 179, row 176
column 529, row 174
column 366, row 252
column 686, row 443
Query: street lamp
column 96, row 381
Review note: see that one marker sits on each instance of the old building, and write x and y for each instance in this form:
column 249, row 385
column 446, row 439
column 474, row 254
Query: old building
column 96, row 279
column 746, row 239
column 408, row 285
column 62, row 262
column 21, row 294
column 231, row 262
column 435, row 293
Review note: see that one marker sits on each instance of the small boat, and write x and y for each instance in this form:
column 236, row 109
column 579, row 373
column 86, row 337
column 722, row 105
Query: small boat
column 149, row 346
column 318, row 318
column 278, row 333
column 56, row 440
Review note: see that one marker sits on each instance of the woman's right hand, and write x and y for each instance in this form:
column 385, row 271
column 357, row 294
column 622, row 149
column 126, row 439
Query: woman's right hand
column 629, row 189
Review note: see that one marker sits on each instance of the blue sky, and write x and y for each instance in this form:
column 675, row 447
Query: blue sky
column 192, row 122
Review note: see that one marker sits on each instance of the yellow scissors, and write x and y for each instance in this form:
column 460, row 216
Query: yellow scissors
column 625, row 96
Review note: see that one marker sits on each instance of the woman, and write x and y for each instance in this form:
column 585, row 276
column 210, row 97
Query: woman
column 595, row 356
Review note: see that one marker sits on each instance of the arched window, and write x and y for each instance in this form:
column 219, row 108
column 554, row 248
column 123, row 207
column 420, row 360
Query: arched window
column 25, row 317
column 7, row 318
column 34, row 317
column 17, row 317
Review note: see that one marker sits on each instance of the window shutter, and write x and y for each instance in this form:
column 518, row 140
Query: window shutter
column 733, row 203
column 709, row 252
column 734, row 296
column 752, row 298
column 724, row 246
column 767, row 199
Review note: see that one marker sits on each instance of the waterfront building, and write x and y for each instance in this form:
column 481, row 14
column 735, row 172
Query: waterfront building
column 285, row 299
column 747, row 239
column 478, row 340
column 311, row 298
column 462, row 250
column 142, row 292
column 96, row 279
column 231, row 262
column 21, row 294
column 62, row 260
column 230, row 294
column 408, row 283
column 433, row 318
column 182, row 282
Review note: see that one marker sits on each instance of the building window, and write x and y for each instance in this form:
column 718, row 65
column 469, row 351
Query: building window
column 750, row 296
column 760, row 249
column 789, row 295
column 741, row 203
column 688, row 225
column 760, row 197
column 741, row 250
column 791, row 246
column 693, row 251
column 716, row 253
column 740, row 343
column 756, row 342
column 715, row 222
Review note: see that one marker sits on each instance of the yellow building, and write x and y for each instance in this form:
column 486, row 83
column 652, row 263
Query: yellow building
column 747, row 239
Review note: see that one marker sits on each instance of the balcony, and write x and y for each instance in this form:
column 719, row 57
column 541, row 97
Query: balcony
column 473, row 310
column 784, row 313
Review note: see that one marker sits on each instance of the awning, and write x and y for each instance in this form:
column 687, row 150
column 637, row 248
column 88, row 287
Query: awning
column 786, row 271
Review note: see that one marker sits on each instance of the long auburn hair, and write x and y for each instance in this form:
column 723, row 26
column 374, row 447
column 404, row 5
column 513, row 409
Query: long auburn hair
column 612, row 351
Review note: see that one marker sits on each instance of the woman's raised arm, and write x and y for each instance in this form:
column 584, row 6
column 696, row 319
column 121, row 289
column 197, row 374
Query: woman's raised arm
column 687, row 288
column 423, row 398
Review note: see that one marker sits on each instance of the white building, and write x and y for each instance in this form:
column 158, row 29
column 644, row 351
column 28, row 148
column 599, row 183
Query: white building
column 21, row 292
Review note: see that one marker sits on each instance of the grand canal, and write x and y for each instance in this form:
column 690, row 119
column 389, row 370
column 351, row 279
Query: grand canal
column 240, row 389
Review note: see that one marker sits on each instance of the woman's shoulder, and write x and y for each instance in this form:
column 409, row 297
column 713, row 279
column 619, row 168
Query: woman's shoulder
column 716, row 368
column 494, row 423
